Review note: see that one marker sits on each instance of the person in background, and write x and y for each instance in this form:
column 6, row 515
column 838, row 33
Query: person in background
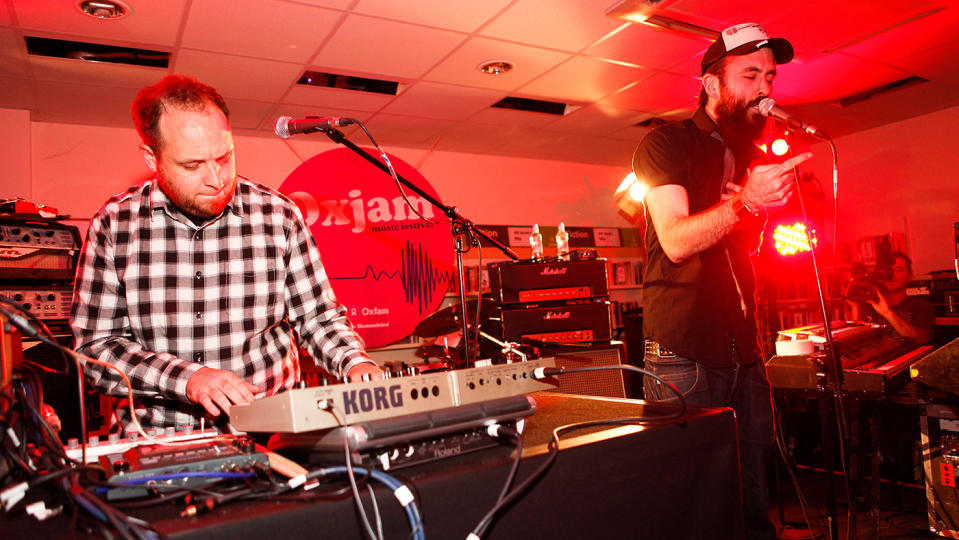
column 911, row 319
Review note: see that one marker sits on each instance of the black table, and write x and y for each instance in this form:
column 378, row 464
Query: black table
column 678, row 479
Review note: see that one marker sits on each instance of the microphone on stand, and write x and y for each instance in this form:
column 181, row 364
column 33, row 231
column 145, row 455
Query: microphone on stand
column 767, row 107
column 286, row 127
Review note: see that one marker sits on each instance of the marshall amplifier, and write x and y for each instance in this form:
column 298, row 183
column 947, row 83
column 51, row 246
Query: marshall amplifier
column 535, row 282
column 570, row 323
column 38, row 250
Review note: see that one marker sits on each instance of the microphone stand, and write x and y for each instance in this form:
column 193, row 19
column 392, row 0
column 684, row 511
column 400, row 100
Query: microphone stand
column 835, row 374
column 464, row 231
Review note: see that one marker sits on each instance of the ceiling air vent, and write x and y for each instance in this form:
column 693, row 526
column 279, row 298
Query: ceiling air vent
column 535, row 105
column 95, row 52
column 346, row 82
column 879, row 90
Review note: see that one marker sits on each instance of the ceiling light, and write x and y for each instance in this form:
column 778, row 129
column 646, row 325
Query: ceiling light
column 650, row 13
column 495, row 67
column 636, row 11
column 104, row 9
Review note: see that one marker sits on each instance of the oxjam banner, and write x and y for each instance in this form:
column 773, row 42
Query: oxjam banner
column 387, row 266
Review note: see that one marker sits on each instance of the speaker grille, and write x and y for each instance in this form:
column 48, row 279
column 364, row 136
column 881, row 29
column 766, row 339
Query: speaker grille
column 606, row 383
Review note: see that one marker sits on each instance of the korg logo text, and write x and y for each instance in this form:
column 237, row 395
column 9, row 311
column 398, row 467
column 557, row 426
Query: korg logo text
column 366, row 399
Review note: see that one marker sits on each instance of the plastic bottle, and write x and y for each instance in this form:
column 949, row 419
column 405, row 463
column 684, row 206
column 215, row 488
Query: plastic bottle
column 536, row 242
column 562, row 243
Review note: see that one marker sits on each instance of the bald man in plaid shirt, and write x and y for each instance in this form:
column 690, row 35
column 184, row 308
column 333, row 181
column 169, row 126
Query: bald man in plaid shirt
column 194, row 281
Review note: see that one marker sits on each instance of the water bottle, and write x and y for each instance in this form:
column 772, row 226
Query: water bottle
column 562, row 243
column 536, row 242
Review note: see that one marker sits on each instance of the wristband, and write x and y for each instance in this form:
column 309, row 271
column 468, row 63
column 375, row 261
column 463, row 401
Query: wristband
column 740, row 209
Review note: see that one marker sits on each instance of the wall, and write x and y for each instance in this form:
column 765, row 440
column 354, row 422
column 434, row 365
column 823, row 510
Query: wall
column 15, row 160
column 77, row 167
column 895, row 178
column 902, row 178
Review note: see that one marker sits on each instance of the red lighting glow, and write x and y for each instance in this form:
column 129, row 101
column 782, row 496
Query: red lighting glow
column 780, row 147
column 792, row 239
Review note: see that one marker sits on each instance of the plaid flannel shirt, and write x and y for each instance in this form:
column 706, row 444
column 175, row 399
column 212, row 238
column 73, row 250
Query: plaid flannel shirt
column 161, row 297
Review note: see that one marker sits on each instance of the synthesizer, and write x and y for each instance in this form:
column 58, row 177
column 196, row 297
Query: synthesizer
column 873, row 363
column 325, row 407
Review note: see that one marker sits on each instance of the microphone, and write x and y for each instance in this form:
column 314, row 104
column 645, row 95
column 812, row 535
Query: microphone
column 768, row 107
column 286, row 127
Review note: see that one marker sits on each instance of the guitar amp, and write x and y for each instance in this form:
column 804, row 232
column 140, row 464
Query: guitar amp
column 535, row 282
column 554, row 323
column 38, row 250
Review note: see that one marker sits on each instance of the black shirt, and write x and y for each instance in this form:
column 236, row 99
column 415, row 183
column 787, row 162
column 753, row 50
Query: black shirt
column 701, row 307
column 915, row 310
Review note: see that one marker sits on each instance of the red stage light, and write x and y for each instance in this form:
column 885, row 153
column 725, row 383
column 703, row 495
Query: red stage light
column 780, row 147
column 792, row 239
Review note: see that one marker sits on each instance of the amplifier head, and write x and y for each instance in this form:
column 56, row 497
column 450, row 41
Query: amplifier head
column 531, row 282
column 38, row 250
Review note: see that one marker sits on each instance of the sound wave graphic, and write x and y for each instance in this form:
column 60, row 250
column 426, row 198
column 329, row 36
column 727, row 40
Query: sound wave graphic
column 370, row 271
column 417, row 275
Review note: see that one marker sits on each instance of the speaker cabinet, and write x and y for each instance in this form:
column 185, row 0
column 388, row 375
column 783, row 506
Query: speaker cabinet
column 605, row 383
column 939, row 423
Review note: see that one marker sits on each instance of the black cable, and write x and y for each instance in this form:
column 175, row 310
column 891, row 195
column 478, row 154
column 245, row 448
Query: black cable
column 389, row 165
column 479, row 296
column 553, row 445
column 800, row 496
column 548, row 372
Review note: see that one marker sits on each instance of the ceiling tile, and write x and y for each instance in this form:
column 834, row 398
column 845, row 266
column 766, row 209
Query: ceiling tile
column 239, row 77
column 16, row 93
column 13, row 54
column 435, row 100
column 833, row 76
column 6, row 18
column 395, row 129
column 909, row 39
column 84, row 104
column 245, row 114
column 263, row 29
column 811, row 32
column 476, row 138
column 461, row 16
column 584, row 79
column 649, row 47
column 95, row 73
column 598, row 120
column 461, row 66
column 635, row 133
column 569, row 147
column 569, row 25
column 391, row 48
column 155, row 23
column 930, row 64
column 661, row 93
column 336, row 4
column 718, row 16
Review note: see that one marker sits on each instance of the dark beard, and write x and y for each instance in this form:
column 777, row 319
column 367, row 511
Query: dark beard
column 737, row 126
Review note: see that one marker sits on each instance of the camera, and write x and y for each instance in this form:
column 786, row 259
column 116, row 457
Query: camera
column 865, row 284
column 861, row 291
